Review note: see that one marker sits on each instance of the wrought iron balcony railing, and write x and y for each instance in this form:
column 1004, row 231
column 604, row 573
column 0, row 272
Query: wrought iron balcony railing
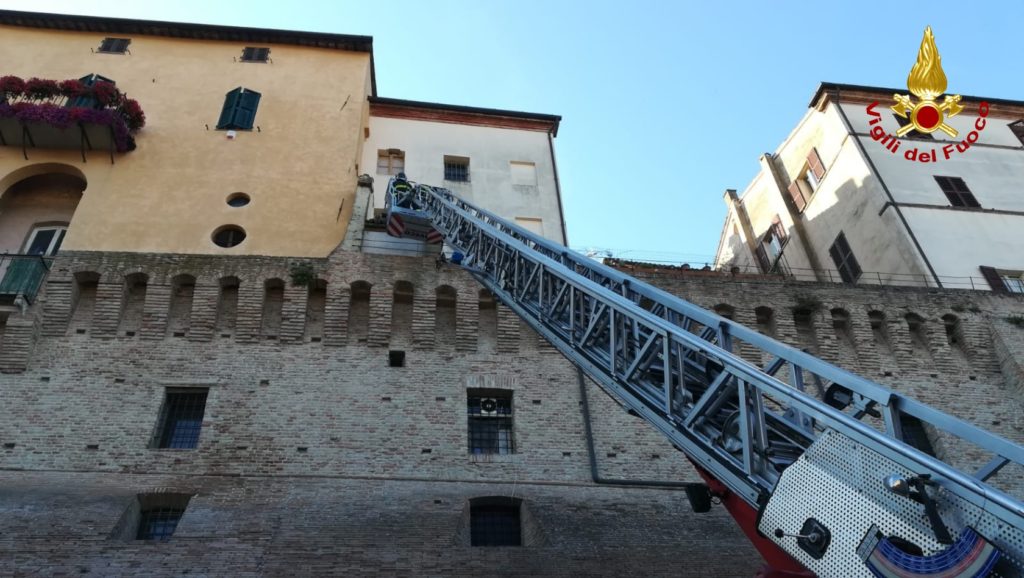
column 21, row 276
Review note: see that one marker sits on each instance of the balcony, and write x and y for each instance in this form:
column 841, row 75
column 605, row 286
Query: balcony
column 21, row 276
column 85, row 114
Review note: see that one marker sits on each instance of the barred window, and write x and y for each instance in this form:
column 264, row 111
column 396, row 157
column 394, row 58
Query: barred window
column 495, row 522
column 456, row 168
column 490, row 422
column 181, row 418
column 159, row 523
column 255, row 54
column 115, row 45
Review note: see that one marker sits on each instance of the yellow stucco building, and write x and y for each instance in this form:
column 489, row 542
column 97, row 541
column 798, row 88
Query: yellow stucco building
column 290, row 178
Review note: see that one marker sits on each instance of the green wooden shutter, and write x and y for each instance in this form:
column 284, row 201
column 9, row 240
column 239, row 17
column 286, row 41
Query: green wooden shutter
column 245, row 113
column 23, row 277
column 247, row 54
column 227, row 114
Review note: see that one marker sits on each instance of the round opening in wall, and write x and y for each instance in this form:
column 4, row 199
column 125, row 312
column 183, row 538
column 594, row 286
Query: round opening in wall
column 238, row 199
column 228, row 236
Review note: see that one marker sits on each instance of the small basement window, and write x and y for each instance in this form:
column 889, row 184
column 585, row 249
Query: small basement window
column 255, row 54
column 228, row 236
column 114, row 45
column 495, row 522
column 396, row 358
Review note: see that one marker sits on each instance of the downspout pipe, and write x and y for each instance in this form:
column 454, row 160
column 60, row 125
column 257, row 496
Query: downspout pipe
column 895, row 205
column 558, row 187
column 595, row 475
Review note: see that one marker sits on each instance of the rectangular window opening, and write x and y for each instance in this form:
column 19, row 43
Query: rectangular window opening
column 396, row 358
column 957, row 193
column 115, row 45
column 846, row 263
column 490, row 422
column 496, row 525
column 181, row 418
column 456, row 169
column 239, row 110
column 255, row 54
column 390, row 161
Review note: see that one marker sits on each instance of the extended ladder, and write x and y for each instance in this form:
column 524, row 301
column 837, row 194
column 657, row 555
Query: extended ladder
column 837, row 471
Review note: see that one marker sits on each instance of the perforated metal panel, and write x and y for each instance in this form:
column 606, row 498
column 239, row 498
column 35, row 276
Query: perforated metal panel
column 841, row 484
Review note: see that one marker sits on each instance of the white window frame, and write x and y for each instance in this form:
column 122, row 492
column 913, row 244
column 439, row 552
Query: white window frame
column 58, row 237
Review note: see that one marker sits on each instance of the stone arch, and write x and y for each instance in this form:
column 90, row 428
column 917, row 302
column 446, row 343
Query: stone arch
column 273, row 304
column 880, row 328
column 725, row 310
column 445, row 304
column 359, row 312
column 179, row 313
column 316, row 310
column 43, row 195
column 401, row 314
column 487, row 331
column 227, row 305
column 83, row 300
column 135, row 286
column 954, row 333
column 764, row 318
column 918, row 328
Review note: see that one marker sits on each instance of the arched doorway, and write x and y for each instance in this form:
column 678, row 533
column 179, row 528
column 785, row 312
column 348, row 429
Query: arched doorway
column 36, row 209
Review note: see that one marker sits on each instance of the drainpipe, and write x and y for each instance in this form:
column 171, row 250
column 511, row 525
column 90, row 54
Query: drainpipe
column 589, row 434
column 895, row 205
column 558, row 188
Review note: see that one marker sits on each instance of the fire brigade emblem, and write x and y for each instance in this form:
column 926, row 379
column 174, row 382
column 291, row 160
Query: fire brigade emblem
column 927, row 82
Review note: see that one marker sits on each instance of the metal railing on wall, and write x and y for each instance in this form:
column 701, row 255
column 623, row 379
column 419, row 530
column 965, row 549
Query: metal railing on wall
column 889, row 279
column 22, row 276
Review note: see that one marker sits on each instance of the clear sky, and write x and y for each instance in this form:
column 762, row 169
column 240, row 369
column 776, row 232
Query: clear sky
column 665, row 104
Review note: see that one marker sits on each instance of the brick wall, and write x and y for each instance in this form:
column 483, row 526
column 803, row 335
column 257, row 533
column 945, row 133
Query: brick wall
column 316, row 457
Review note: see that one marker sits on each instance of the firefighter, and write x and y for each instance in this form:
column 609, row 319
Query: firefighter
column 402, row 190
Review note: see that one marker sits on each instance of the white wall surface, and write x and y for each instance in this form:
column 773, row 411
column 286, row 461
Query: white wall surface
column 491, row 152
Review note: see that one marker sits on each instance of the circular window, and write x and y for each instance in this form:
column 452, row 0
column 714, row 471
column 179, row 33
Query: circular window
column 228, row 236
column 238, row 199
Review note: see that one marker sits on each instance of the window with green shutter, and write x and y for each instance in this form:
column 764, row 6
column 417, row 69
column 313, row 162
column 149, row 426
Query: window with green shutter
column 255, row 54
column 115, row 45
column 239, row 112
column 88, row 101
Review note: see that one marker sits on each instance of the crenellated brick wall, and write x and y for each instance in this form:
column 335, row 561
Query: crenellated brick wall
column 317, row 458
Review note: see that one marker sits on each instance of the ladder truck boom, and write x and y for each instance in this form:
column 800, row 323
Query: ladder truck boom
column 822, row 485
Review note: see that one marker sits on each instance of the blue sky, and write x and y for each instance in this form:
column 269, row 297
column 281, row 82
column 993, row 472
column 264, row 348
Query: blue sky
column 665, row 104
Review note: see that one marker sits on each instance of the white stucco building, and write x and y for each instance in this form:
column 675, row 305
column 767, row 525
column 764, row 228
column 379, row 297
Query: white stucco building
column 841, row 200
column 500, row 160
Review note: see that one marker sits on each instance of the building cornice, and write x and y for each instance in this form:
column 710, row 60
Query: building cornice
column 859, row 94
column 127, row 26
column 457, row 114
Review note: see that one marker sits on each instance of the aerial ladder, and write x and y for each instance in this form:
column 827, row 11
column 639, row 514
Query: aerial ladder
column 821, row 484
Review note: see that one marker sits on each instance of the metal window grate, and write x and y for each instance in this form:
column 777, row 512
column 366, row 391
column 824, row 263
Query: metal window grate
column 159, row 523
column 490, row 424
column 456, row 170
column 115, row 45
column 495, row 525
column 846, row 263
column 957, row 192
column 182, row 419
column 255, row 54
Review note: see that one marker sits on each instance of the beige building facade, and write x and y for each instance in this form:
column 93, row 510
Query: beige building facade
column 834, row 203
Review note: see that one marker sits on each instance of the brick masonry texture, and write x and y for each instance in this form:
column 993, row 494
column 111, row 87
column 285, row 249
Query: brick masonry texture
column 317, row 458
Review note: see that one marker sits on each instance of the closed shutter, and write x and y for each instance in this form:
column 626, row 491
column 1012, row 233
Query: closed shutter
column 814, row 163
column 227, row 114
column 994, row 280
column 798, row 197
column 247, row 53
column 262, row 54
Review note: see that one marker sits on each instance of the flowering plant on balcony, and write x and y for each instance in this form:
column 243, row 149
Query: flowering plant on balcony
column 70, row 102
